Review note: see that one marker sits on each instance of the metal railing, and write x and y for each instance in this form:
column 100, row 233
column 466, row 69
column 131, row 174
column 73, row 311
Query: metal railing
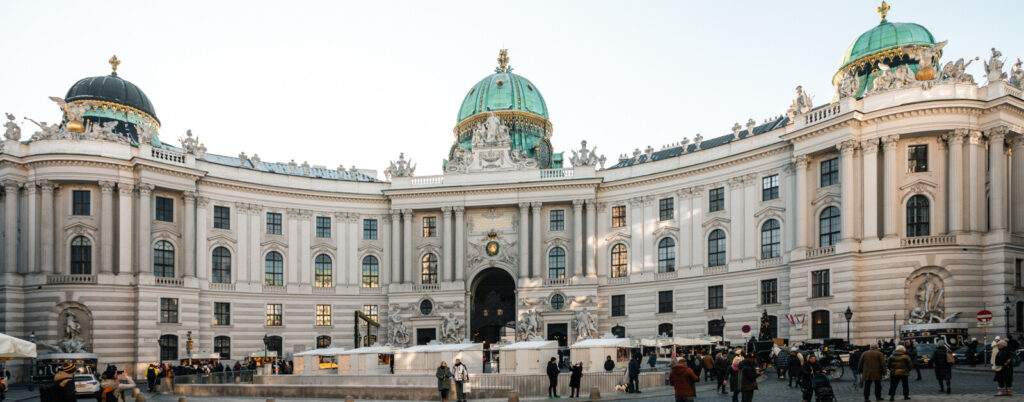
column 161, row 281
column 220, row 377
column 921, row 241
column 70, row 279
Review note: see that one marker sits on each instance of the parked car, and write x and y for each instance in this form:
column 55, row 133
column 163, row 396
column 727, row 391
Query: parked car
column 924, row 355
column 86, row 384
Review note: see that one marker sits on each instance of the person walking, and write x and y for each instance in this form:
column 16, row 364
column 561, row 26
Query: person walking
column 709, row 367
column 912, row 352
column 972, row 352
column 151, row 377
column 899, row 365
column 461, row 375
column 794, row 368
column 634, row 375
column 552, row 371
column 574, row 379
column 943, row 361
column 694, row 363
column 854, row 359
column 807, row 371
column 734, row 375
column 125, row 385
column 682, row 378
column 748, row 373
column 444, row 381
column 872, row 369
column 63, row 387
column 1003, row 367
column 781, row 364
column 609, row 364
column 722, row 371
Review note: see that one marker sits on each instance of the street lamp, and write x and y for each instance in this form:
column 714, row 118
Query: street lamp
column 849, row 315
column 266, row 348
column 1007, row 305
column 32, row 368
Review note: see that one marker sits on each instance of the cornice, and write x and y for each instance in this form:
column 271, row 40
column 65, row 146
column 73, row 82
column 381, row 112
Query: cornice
column 489, row 189
column 290, row 193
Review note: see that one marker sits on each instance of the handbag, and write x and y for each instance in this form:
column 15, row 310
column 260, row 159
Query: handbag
column 950, row 358
column 465, row 387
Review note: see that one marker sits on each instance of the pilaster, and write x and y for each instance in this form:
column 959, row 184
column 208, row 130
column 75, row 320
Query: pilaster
column 524, row 241
column 145, row 230
column 189, row 235
column 591, row 232
column 446, row 242
column 11, row 190
column 396, row 248
column 124, row 232
column 846, row 188
column 997, row 178
column 976, row 180
column 460, row 242
column 106, row 265
column 890, row 197
column 537, row 268
column 46, row 213
column 577, row 239
column 957, row 202
column 407, row 247
column 1017, row 178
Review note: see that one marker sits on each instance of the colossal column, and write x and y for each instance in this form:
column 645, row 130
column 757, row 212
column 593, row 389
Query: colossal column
column 407, row 246
column 396, row 248
column 524, row 241
column 446, row 243
column 801, row 223
column 240, row 261
column 956, row 181
column 997, row 179
column 976, row 180
column 201, row 269
column 846, row 189
column 11, row 226
column 145, row 229
column 106, row 227
column 190, row 234
column 890, row 198
column 460, row 242
column 46, row 234
column 1017, row 180
column 578, row 238
column 591, row 251
column 124, row 231
column 536, row 240
column 940, row 198
column 32, row 226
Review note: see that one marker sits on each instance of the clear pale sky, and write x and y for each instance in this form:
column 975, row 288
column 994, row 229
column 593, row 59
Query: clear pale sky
column 355, row 83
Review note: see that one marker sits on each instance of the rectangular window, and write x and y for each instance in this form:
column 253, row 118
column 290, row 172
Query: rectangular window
column 716, row 199
column 274, row 315
column 369, row 229
column 323, row 315
column 917, row 159
column 556, row 220
column 618, row 305
column 221, row 217
column 429, row 226
column 716, row 297
column 829, row 172
column 80, row 202
column 819, row 283
column 168, row 310
column 770, row 291
column 164, row 209
column 221, row 313
column 618, row 216
column 666, row 209
column 323, row 227
column 665, row 301
column 770, row 187
column 273, row 223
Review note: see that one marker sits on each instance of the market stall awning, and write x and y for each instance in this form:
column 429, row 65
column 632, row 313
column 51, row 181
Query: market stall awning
column 14, row 348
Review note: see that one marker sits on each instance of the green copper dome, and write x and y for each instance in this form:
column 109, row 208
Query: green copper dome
column 503, row 91
column 886, row 36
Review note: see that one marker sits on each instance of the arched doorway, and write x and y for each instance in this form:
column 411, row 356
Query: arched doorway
column 493, row 305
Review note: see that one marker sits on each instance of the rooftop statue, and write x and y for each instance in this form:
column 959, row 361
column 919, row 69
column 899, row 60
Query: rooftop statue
column 1016, row 76
column 189, row 144
column 801, row 104
column 927, row 59
column 401, row 168
column 12, row 132
column 994, row 67
column 585, row 157
column 145, row 133
column 46, row 130
column 955, row 72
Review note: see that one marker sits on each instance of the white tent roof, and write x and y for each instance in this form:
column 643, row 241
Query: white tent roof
column 529, row 345
column 601, row 342
column 330, row 351
column 709, row 340
column 444, row 347
column 11, row 347
column 369, row 349
column 261, row 353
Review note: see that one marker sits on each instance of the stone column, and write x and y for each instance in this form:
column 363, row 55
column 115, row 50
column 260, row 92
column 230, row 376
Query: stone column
column 635, row 222
column 649, row 221
column 591, row 251
column 801, row 223
column 106, row 227
column 240, row 261
column 305, row 265
column 889, row 197
column 997, row 178
column 354, row 273
column 869, row 150
column 293, row 257
column 683, row 212
column 578, row 239
column 1017, row 180
column 124, row 228
column 751, row 234
column 536, row 240
column 941, row 200
column 202, row 269
column 446, row 243
column 846, row 189
column 786, row 191
column 386, row 260
column 11, row 188
column 976, row 180
column 460, row 242
column 407, row 247
column 145, row 233
column 524, row 241
column 734, row 202
column 189, row 262
column 396, row 248
column 31, row 241
column 256, row 231
column 697, row 239
column 46, row 233
column 957, row 202
column 603, row 226
column 340, row 220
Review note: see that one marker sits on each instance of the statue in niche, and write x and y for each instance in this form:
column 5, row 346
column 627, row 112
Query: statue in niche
column 929, row 298
column 398, row 333
column 528, row 325
column 583, row 323
column 451, row 328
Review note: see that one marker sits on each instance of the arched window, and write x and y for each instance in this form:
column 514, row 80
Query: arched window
column 81, row 256
column 716, row 248
column 918, row 216
column 716, row 327
column 619, row 260
column 275, row 344
column 429, row 272
column 1020, row 316
column 556, row 263
column 222, row 346
column 828, row 227
column 819, row 324
column 773, row 327
column 619, row 331
column 665, row 329
column 667, row 255
column 371, row 272
column 221, row 265
column 273, row 265
column 168, row 347
column 163, row 259
column 323, row 271
column 323, row 341
column 770, row 239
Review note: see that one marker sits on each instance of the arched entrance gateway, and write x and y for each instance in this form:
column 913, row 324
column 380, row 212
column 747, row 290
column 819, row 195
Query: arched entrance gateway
column 493, row 305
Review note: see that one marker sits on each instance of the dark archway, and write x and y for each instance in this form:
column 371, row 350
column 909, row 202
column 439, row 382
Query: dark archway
column 493, row 305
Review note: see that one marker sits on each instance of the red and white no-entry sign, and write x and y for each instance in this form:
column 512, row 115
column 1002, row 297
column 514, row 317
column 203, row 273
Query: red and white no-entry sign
column 984, row 316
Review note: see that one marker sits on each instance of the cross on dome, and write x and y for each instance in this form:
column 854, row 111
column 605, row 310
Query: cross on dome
column 114, row 62
column 883, row 10
column 503, row 66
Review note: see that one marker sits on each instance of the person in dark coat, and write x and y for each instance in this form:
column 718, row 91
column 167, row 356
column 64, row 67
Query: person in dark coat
column 734, row 375
column 574, row 379
column 900, row 365
column 552, row 371
column 872, row 369
column 634, row 374
column 682, row 379
column 782, row 363
column 912, row 352
column 943, row 369
column 64, row 381
column 794, row 368
column 652, row 359
column 1004, row 369
column 444, row 381
column 972, row 352
column 854, row 359
column 748, row 377
column 609, row 364
column 151, row 377
column 722, row 370
column 694, row 364
column 809, row 369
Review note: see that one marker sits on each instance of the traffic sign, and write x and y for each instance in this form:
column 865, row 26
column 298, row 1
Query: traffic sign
column 745, row 329
column 984, row 324
column 984, row 316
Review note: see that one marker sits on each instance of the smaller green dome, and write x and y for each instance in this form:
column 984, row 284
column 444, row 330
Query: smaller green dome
column 500, row 91
column 887, row 35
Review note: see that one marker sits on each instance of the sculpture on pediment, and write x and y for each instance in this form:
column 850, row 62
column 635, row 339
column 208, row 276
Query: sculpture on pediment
column 1016, row 75
column 927, row 59
column 801, row 104
column 145, row 133
column 994, row 67
column 451, row 328
column 928, row 294
column 401, row 168
column 46, row 130
column 585, row 157
column 13, row 131
column 955, row 72
column 584, row 325
column 398, row 333
column 491, row 133
column 848, row 85
column 189, row 144
column 526, row 327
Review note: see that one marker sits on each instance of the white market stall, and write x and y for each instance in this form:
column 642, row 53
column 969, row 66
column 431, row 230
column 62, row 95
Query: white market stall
column 317, row 361
column 366, row 360
column 592, row 352
column 527, row 357
column 15, row 348
column 424, row 359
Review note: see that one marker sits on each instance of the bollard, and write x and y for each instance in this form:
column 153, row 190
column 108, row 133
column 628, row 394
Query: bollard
column 140, row 397
column 349, row 399
column 595, row 394
column 182, row 399
column 270, row 399
column 513, row 396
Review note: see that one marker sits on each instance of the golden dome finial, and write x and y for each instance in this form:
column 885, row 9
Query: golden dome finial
column 503, row 60
column 114, row 62
column 883, row 10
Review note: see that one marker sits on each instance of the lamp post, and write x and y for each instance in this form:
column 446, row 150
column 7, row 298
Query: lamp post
column 723, row 328
column 32, row 367
column 849, row 315
column 266, row 348
column 1007, row 306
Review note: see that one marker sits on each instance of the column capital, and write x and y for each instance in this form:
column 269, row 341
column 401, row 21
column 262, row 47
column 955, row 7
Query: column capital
column 12, row 185
column 1016, row 140
column 846, row 148
column 801, row 162
column 869, row 146
column 459, row 210
column 125, row 188
column 974, row 138
column 958, row 135
column 190, row 196
column 202, row 202
column 353, row 217
column 998, row 133
column 524, row 206
column 145, row 188
column 942, row 142
column 889, row 142
column 591, row 203
column 395, row 214
column 45, row 185
column 407, row 213
column 447, row 211
column 536, row 205
column 577, row 204
column 106, row 187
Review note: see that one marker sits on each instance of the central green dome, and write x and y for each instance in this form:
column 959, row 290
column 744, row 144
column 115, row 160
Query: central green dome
column 503, row 90
column 886, row 36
